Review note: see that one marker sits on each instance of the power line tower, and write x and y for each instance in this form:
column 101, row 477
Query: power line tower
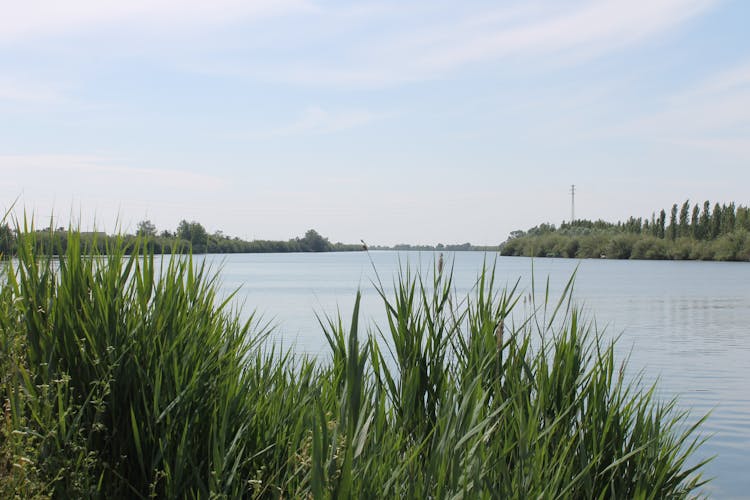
column 572, row 203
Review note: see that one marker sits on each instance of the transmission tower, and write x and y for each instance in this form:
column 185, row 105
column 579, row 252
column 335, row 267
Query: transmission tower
column 572, row 203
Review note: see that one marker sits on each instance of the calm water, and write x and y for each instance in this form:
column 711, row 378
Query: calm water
column 685, row 323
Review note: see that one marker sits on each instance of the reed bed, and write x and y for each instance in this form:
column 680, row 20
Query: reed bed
column 123, row 377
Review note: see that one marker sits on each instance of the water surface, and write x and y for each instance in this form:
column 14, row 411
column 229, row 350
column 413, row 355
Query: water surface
column 685, row 323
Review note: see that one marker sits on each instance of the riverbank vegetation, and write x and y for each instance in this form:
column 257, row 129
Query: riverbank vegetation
column 440, row 247
column 127, row 376
column 190, row 237
column 697, row 233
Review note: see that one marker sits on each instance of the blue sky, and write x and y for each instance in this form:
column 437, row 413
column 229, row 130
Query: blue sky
column 407, row 121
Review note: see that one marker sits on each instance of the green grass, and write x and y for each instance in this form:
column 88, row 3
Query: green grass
column 124, row 377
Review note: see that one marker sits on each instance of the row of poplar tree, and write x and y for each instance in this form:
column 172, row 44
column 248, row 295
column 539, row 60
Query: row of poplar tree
column 700, row 223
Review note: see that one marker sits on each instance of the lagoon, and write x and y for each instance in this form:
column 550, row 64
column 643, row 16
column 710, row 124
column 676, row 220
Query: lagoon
column 686, row 324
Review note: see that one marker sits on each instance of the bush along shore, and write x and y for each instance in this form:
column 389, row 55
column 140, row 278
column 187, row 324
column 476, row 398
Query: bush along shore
column 721, row 233
column 124, row 377
column 190, row 237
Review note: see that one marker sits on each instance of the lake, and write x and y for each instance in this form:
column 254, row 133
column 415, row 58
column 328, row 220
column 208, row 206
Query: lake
column 686, row 324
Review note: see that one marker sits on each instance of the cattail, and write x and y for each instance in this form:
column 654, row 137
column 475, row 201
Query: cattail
column 440, row 263
column 499, row 335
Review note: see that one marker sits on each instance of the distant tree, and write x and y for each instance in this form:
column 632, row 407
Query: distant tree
column 541, row 229
column 314, row 242
column 633, row 225
column 723, row 229
column 727, row 218
column 146, row 228
column 716, row 221
column 742, row 218
column 661, row 223
column 705, row 221
column 695, row 228
column 684, row 219
column 673, row 223
column 195, row 233
column 7, row 240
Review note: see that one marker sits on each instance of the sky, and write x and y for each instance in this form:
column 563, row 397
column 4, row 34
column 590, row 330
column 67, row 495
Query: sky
column 392, row 121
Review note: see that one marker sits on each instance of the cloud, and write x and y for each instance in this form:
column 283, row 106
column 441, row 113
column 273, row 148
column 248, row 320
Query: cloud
column 710, row 115
column 443, row 43
column 40, row 18
column 594, row 27
column 366, row 45
column 730, row 80
column 316, row 120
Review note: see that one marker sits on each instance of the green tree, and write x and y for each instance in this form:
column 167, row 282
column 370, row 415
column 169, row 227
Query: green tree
column 673, row 223
column 661, row 223
column 685, row 219
column 705, row 221
column 633, row 225
column 146, row 228
column 727, row 218
column 195, row 233
column 7, row 240
column 716, row 221
column 314, row 242
column 695, row 228
column 742, row 218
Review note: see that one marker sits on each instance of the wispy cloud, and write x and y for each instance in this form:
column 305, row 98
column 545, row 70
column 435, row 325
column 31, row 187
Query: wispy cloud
column 367, row 45
column 713, row 114
column 42, row 18
column 450, row 41
column 733, row 79
column 317, row 120
column 594, row 27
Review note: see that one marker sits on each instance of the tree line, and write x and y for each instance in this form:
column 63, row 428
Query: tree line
column 697, row 232
column 440, row 247
column 189, row 236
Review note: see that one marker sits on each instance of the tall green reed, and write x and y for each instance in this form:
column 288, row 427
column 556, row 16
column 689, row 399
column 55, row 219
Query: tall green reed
column 127, row 376
column 135, row 380
column 477, row 404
